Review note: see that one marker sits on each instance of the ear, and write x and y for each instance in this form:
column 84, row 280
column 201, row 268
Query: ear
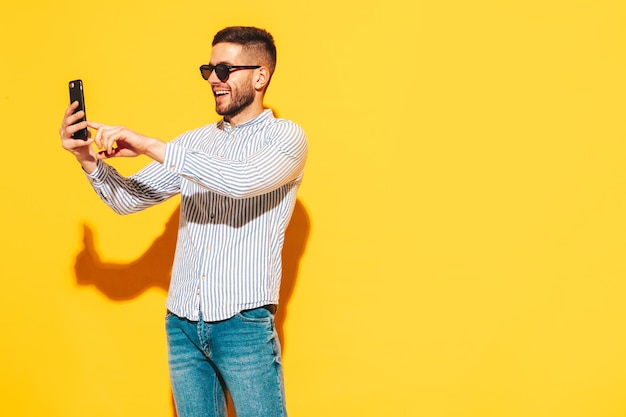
column 262, row 78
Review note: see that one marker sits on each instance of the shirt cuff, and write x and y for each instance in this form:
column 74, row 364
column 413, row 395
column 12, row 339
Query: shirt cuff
column 99, row 174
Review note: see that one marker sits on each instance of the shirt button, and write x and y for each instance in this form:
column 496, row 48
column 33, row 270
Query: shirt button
column 203, row 277
column 172, row 167
column 208, row 247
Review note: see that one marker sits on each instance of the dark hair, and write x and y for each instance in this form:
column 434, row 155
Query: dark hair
column 255, row 41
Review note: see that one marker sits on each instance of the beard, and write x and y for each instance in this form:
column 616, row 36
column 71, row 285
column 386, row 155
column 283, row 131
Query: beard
column 239, row 100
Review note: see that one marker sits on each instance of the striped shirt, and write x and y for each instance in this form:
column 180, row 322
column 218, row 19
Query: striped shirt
column 238, row 190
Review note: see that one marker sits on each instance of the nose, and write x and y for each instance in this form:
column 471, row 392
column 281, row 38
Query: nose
column 213, row 78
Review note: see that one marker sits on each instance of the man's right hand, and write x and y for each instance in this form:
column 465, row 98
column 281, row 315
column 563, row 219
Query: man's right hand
column 81, row 149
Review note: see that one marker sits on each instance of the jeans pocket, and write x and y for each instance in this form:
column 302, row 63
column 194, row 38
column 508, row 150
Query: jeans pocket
column 259, row 315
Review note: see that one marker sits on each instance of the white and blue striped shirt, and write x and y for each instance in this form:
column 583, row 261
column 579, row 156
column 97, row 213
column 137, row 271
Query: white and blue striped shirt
column 238, row 190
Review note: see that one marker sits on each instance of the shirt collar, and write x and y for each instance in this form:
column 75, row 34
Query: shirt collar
column 267, row 114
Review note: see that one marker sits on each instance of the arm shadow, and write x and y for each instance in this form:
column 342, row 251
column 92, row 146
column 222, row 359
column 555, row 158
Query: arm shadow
column 122, row 282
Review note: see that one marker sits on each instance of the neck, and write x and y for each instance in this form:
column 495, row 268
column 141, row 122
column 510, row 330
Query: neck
column 249, row 113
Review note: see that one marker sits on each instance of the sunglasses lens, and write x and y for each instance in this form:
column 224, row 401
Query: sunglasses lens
column 222, row 72
column 206, row 70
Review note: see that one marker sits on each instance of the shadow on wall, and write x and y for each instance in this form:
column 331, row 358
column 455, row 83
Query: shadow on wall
column 121, row 282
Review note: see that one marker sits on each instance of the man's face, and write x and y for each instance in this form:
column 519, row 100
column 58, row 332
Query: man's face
column 236, row 93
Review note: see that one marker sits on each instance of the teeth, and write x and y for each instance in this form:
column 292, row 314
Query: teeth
column 221, row 93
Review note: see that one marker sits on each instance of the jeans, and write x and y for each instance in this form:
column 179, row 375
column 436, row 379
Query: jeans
column 240, row 355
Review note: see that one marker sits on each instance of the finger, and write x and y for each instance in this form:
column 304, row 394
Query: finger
column 112, row 136
column 94, row 125
column 67, row 131
column 103, row 138
column 73, row 118
column 73, row 144
column 71, row 109
column 98, row 138
column 104, row 154
column 81, row 143
column 101, row 130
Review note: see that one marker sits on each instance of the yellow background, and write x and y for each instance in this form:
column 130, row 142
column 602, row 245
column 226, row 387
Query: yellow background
column 458, row 245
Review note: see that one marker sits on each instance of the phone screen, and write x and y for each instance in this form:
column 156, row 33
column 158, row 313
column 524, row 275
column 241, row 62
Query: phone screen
column 77, row 94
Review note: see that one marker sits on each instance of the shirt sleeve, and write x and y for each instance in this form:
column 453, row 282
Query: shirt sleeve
column 279, row 161
column 126, row 195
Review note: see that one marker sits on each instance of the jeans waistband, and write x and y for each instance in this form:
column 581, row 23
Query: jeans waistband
column 272, row 308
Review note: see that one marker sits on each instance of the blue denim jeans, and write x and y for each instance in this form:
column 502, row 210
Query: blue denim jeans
column 240, row 355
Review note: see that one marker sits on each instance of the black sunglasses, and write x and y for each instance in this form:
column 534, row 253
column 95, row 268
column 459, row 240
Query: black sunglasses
column 222, row 70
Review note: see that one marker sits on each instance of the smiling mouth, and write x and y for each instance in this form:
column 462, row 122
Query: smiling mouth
column 220, row 93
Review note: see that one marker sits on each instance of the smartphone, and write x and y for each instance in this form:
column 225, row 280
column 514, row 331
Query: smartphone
column 77, row 94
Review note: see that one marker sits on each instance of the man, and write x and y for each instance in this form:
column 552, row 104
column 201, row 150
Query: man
column 238, row 180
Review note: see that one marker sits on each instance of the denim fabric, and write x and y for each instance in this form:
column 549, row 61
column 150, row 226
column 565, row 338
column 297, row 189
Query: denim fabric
column 240, row 355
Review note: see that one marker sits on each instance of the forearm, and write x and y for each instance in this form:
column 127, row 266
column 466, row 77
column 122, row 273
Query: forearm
column 156, row 150
column 89, row 164
column 126, row 195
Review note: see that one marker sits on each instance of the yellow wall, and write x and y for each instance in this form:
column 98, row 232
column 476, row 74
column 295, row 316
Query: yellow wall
column 459, row 243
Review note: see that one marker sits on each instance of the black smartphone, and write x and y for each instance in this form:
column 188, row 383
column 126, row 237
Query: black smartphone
column 77, row 94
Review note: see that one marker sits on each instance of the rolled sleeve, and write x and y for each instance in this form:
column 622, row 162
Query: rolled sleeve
column 98, row 178
column 174, row 159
